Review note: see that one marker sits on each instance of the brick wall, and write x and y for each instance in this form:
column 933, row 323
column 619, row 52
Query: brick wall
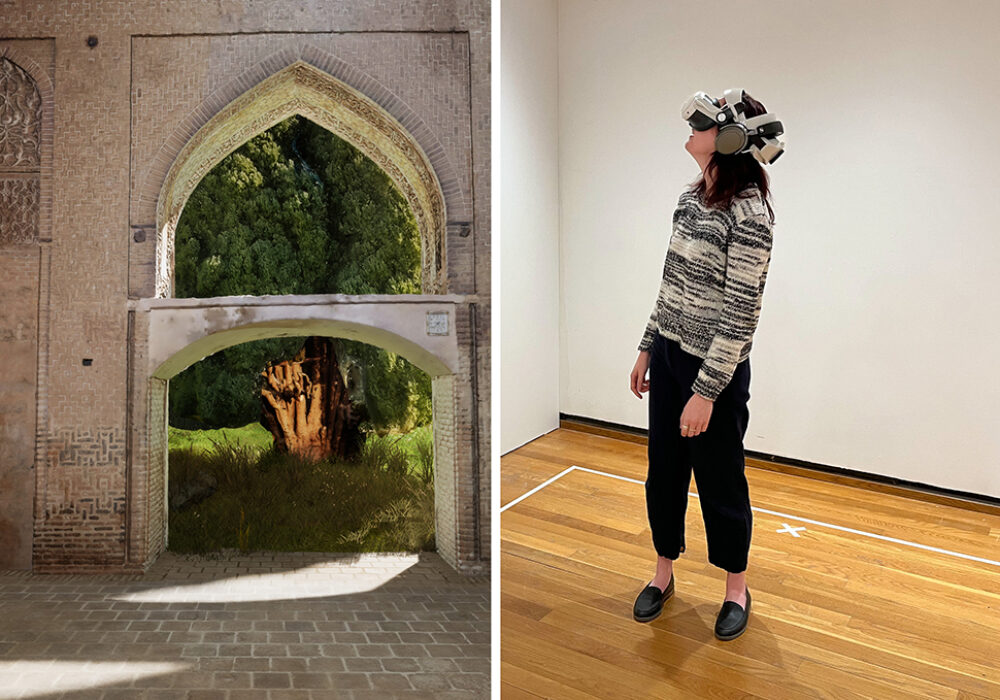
column 111, row 116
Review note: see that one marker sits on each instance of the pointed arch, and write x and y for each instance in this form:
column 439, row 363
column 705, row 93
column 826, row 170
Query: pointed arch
column 303, row 89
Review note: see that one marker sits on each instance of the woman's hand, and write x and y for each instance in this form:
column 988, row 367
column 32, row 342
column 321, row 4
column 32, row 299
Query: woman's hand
column 697, row 411
column 695, row 415
column 637, row 381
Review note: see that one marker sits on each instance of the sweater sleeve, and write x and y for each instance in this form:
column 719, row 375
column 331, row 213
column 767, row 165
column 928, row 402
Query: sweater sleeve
column 747, row 258
column 652, row 328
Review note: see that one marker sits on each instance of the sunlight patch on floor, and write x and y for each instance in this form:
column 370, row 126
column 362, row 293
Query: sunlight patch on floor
column 317, row 580
column 27, row 678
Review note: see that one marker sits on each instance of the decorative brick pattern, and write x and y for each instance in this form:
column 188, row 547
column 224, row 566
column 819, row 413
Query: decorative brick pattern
column 83, row 522
column 83, row 447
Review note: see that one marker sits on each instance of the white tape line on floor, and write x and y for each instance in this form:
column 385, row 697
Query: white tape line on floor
column 763, row 510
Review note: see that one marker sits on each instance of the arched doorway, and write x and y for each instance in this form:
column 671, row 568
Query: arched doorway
column 428, row 320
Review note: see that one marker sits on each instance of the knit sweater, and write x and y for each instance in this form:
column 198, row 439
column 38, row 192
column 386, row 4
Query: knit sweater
column 713, row 284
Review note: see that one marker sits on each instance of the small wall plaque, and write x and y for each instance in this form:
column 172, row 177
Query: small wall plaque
column 437, row 323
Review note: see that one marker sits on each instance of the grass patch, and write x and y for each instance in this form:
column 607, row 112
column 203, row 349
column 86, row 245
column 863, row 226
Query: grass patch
column 205, row 441
column 268, row 500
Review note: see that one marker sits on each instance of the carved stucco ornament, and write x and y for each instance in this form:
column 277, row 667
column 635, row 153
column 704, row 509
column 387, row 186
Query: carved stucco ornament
column 20, row 117
column 20, row 154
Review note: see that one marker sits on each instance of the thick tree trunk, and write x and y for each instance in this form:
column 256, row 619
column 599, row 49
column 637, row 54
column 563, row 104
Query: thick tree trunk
column 306, row 406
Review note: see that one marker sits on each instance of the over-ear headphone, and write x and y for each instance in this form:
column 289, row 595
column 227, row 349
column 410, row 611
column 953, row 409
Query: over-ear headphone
column 737, row 132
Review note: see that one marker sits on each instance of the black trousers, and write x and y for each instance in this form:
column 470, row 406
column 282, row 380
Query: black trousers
column 716, row 455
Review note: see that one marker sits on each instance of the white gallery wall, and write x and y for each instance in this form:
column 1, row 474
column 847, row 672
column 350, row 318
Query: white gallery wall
column 528, row 255
column 879, row 337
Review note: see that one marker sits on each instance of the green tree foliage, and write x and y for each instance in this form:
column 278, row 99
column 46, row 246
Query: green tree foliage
column 296, row 210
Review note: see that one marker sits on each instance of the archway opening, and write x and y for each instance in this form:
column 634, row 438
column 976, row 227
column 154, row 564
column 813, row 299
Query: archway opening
column 313, row 469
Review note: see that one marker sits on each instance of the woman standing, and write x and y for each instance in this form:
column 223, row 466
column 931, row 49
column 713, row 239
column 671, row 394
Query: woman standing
column 696, row 347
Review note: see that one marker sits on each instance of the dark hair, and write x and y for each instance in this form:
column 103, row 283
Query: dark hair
column 731, row 174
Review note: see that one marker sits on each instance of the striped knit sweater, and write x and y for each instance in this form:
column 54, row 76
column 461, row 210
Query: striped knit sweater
column 713, row 284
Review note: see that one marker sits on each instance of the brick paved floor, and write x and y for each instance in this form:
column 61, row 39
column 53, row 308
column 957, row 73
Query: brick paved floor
column 260, row 625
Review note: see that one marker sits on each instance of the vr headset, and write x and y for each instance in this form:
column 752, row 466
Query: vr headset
column 737, row 133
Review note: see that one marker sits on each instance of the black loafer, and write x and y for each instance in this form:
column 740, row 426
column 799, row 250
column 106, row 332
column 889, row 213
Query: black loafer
column 732, row 619
column 649, row 604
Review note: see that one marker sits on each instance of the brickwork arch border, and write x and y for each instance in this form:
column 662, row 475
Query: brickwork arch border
column 393, row 136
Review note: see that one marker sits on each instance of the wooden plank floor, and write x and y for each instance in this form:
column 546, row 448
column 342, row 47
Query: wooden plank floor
column 835, row 614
